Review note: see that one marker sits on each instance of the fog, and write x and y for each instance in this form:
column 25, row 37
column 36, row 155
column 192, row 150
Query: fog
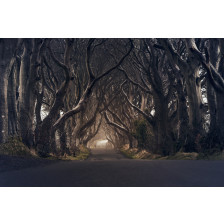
column 101, row 143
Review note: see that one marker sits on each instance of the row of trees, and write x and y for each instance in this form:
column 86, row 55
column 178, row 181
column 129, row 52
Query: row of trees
column 163, row 95
column 172, row 94
column 49, row 88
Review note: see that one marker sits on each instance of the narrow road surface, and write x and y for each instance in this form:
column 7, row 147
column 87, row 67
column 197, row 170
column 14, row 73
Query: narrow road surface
column 105, row 154
column 107, row 168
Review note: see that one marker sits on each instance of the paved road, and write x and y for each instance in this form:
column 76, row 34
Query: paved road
column 106, row 168
column 106, row 155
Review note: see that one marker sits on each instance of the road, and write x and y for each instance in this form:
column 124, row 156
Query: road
column 107, row 168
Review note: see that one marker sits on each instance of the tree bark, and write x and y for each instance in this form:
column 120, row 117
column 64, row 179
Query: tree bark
column 27, row 96
column 162, row 129
column 3, row 104
column 183, row 119
column 220, row 117
column 212, row 137
column 44, row 139
column 7, row 48
column 190, row 70
column 63, row 140
column 12, row 102
column 194, row 101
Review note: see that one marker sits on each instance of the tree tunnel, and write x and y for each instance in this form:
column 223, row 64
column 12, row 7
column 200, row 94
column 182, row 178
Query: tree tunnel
column 58, row 94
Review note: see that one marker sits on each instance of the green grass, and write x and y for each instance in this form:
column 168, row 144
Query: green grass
column 183, row 156
column 15, row 147
column 144, row 154
column 129, row 153
column 82, row 154
column 135, row 153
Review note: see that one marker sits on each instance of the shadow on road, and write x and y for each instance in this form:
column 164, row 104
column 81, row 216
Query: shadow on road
column 105, row 154
column 108, row 168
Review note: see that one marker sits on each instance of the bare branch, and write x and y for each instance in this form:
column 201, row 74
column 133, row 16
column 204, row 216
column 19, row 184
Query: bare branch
column 88, row 55
column 149, row 118
column 135, row 83
column 60, row 64
column 214, row 77
column 116, row 125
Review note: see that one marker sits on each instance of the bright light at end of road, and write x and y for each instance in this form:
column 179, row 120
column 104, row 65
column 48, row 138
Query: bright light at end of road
column 102, row 142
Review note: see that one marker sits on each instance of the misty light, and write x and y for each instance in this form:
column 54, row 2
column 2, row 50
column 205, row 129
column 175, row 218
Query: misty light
column 102, row 142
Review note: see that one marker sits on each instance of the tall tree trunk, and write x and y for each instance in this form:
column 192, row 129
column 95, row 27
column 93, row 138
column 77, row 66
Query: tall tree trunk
column 53, row 146
column 183, row 119
column 164, row 143
column 44, row 139
column 130, row 138
column 7, row 48
column 27, row 97
column 190, row 70
column 212, row 137
column 143, row 101
column 3, row 103
column 194, row 97
column 220, row 107
column 220, row 117
column 211, row 96
column 194, row 101
column 12, row 102
column 63, row 140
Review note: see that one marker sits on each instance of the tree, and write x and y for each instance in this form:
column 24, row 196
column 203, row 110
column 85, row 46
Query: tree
column 7, row 61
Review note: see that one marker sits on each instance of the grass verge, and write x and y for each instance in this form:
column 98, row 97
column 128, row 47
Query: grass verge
column 15, row 147
column 82, row 154
column 135, row 153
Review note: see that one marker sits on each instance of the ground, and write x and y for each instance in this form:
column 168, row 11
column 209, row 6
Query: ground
column 9, row 163
column 108, row 168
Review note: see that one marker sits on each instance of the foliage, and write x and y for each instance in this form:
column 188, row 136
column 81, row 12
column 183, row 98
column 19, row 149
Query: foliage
column 135, row 153
column 216, row 155
column 183, row 156
column 211, row 143
column 81, row 154
column 141, row 132
column 14, row 147
column 142, row 154
column 129, row 153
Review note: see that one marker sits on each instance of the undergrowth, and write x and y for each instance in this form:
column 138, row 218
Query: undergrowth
column 14, row 147
column 135, row 153
column 81, row 154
